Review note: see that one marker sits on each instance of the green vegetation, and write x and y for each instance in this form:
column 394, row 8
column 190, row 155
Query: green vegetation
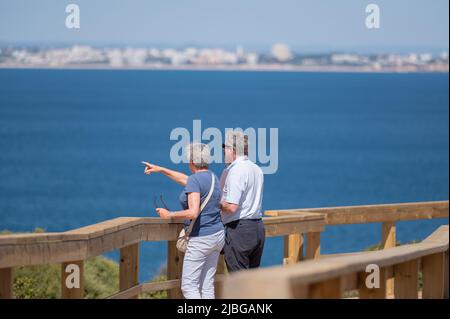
column 379, row 246
column 101, row 279
column 44, row 281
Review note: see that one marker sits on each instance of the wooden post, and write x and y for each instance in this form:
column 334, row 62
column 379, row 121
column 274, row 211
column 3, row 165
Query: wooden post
column 72, row 283
column 300, row 291
column 129, row 267
column 313, row 245
column 388, row 240
column 221, row 270
column 174, row 268
column 330, row 289
column 6, row 283
column 221, row 265
column 372, row 293
column 293, row 248
column 406, row 280
column 446, row 275
column 433, row 276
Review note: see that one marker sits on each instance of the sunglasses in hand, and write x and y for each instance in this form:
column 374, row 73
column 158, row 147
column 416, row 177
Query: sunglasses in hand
column 155, row 202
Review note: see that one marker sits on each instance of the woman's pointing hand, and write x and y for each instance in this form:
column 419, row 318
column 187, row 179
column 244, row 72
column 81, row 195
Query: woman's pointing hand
column 151, row 168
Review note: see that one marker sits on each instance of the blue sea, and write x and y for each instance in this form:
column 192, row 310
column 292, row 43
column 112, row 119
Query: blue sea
column 71, row 143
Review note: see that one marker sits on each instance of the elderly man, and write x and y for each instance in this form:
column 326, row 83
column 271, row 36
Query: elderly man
column 242, row 191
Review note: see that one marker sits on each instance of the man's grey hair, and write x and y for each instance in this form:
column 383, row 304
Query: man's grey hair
column 199, row 154
column 238, row 141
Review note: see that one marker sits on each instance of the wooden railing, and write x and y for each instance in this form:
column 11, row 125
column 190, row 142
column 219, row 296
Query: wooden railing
column 387, row 214
column 124, row 234
column 331, row 277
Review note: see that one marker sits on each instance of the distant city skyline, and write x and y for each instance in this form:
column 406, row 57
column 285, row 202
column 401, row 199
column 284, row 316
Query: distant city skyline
column 305, row 26
column 281, row 58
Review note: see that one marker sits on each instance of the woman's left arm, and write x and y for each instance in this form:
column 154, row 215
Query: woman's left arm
column 191, row 213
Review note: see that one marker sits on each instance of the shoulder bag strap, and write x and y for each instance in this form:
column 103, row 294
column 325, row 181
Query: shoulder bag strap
column 203, row 205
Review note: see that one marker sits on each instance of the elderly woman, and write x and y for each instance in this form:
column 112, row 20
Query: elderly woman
column 207, row 237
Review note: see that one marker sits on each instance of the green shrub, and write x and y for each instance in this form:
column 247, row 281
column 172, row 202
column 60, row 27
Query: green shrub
column 41, row 281
column 101, row 279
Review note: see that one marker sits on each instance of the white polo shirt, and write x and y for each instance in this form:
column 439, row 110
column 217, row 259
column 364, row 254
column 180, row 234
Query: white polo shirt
column 242, row 183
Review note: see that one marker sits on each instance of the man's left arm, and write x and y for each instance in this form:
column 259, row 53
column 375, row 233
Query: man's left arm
column 228, row 207
column 232, row 193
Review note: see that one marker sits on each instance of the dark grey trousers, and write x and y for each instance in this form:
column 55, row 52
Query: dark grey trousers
column 244, row 244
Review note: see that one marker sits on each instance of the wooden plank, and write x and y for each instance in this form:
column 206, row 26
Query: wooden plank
column 292, row 218
column 276, row 287
column 153, row 287
column 406, row 280
column 129, row 268
column 12, row 239
column 168, row 285
column 299, row 291
column 312, row 245
column 115, row 225
column 6, row 283
column 161, row 232
column 89, row 232
column 368, row 292
column 373, row 213
column 446, row 275
column 442, row 234
column 103, row 228
column 330, row 289
column 433, row 276
column 349, row 282
column 129, row 293
column 322, row 256
column 33, row 252
column 438, row 236
column 275, row 227
column 221, row 266
column 174, row 268
column 221, row 271
column 293, row 248
column 72, row 283
column 388, row 240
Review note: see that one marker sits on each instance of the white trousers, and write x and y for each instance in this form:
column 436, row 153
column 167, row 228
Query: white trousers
column 200, row 265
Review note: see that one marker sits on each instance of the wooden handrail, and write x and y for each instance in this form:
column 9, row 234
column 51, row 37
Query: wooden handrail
column 94, row 240
column 387, row 214
column 297, row 280
column 83, row 243
column 75, row 246
column 363, row 214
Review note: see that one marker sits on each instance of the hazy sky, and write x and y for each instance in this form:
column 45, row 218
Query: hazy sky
column 302, row 24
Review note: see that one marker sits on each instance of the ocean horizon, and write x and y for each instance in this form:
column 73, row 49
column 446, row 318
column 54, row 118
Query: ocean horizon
column 71, row 143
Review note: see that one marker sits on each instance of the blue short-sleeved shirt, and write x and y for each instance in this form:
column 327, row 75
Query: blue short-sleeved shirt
column 209, row 220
